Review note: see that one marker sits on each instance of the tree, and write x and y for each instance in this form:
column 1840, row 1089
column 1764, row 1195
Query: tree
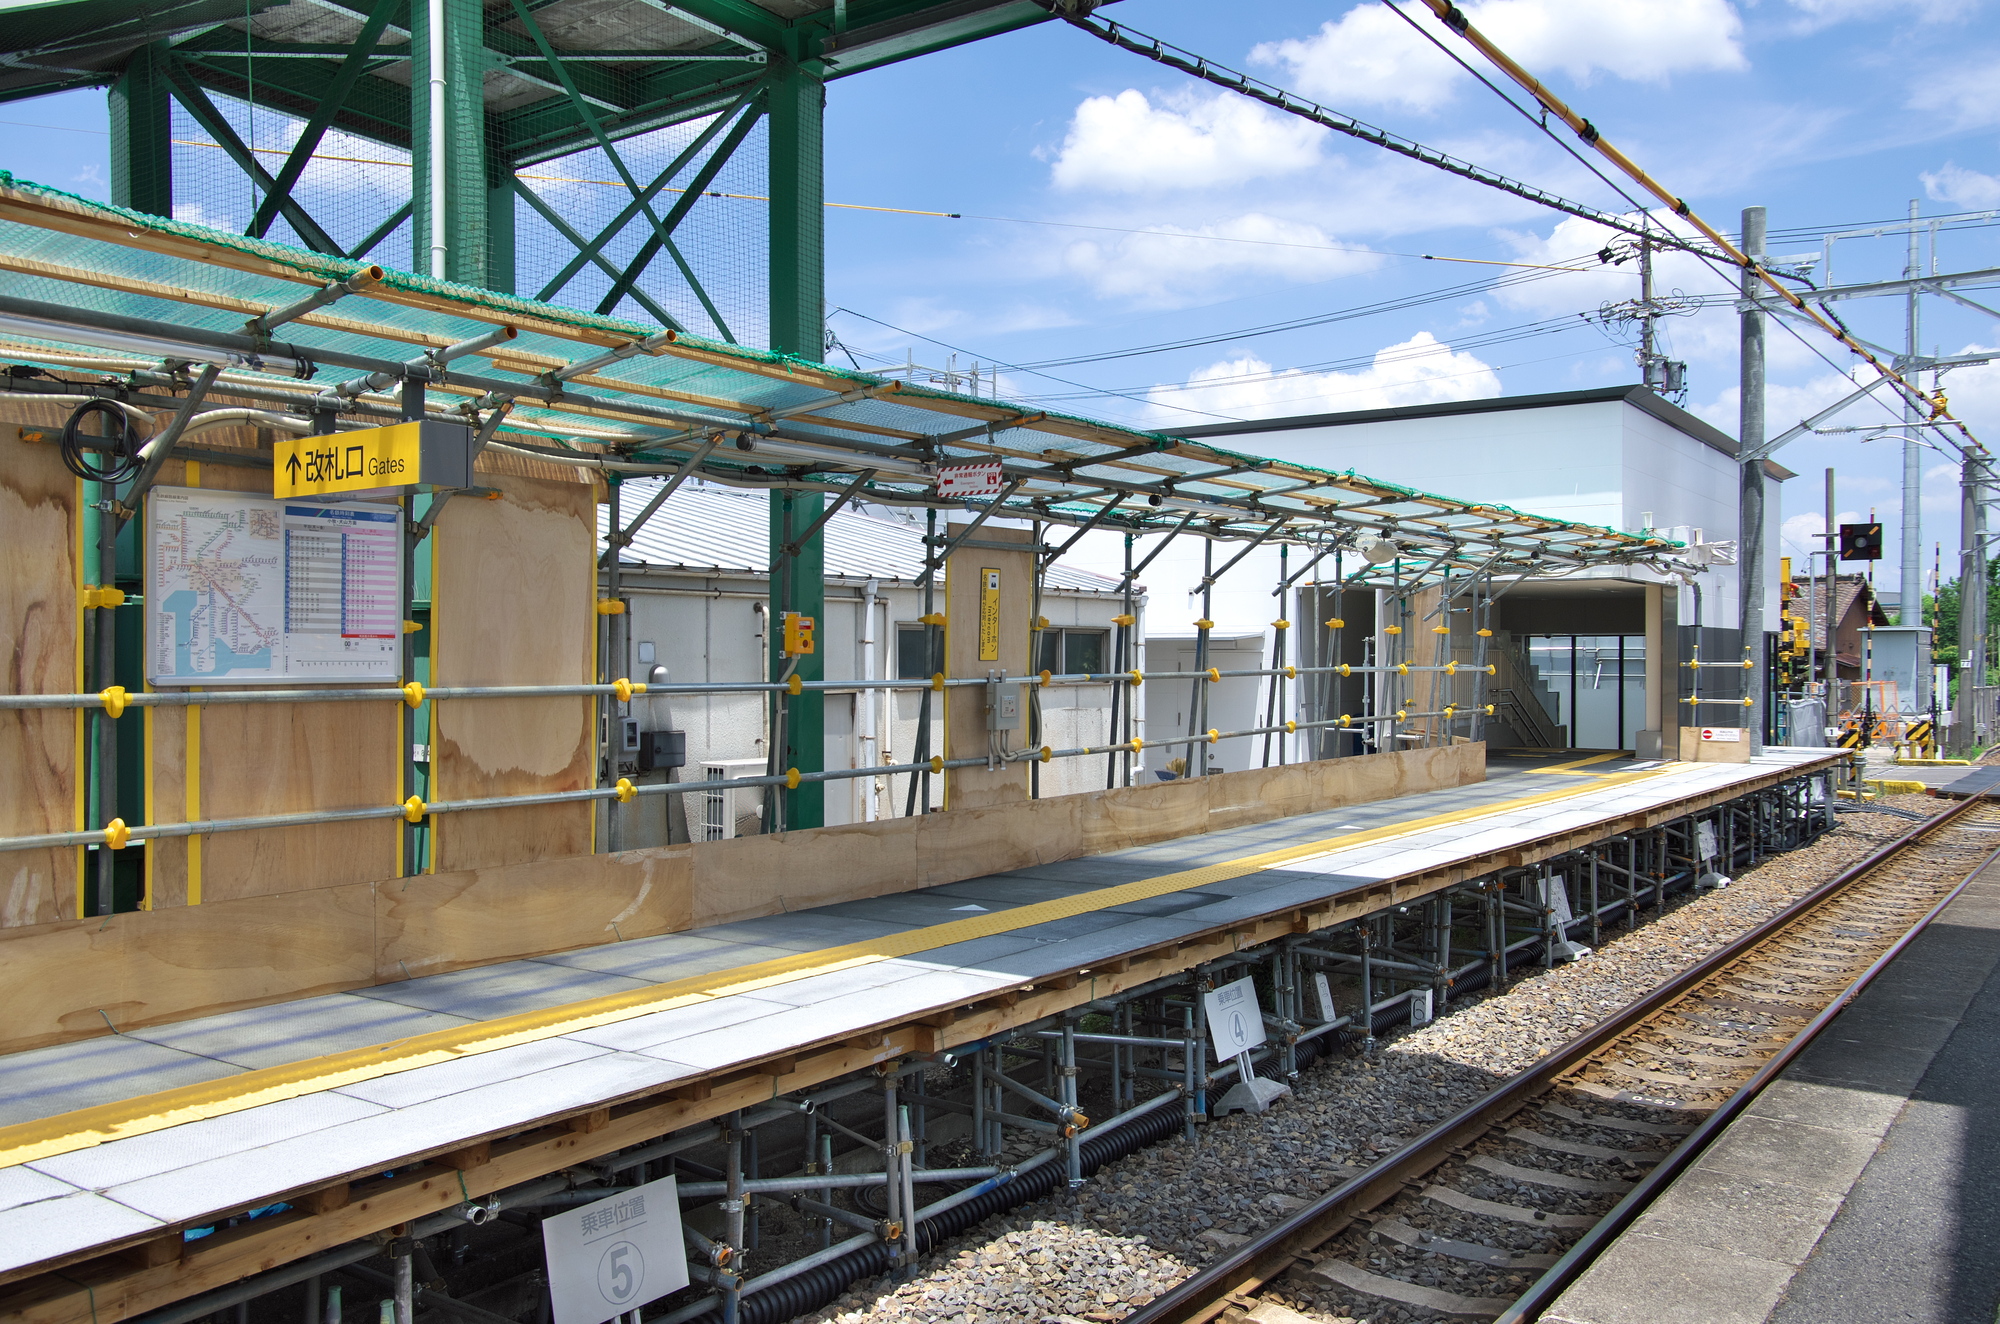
column 1942, row 610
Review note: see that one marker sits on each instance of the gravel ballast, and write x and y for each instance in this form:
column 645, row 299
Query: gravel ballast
column 1145, row 1222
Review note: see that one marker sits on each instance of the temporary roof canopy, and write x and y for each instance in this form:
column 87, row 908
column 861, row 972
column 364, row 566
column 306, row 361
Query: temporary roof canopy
column 103, row 289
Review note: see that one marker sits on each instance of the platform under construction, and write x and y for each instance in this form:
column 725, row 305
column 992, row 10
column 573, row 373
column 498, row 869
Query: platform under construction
column 323, row 929
column 414, row 1104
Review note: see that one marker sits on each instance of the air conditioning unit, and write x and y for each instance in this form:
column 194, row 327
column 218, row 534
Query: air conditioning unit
column 718, row 807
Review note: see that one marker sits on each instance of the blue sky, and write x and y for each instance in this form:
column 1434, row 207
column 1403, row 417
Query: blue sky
column 1140, row 207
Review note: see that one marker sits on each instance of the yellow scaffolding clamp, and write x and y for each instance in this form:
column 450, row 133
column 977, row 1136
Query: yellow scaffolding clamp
column 414, row 809
column 116, row 834
column 626, row 791
column 413, row 694
column 114, row 700
column 610, row 607
column 625, row 689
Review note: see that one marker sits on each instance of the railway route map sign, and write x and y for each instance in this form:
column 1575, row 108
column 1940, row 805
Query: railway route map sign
column 615, row 1255
column 244, row 589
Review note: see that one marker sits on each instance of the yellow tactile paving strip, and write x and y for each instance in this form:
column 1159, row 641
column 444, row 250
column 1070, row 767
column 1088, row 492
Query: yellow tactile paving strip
column 87, row 1127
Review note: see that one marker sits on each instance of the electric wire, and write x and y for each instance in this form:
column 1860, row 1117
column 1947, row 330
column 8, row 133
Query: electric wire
column 125, row 459
column 1750, row 265
column 1174, row 57
column 1539, row 121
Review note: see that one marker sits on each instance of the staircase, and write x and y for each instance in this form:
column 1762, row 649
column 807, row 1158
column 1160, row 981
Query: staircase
column 1524, row 705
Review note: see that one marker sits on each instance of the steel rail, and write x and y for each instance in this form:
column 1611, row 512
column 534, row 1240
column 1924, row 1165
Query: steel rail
column 1247, row 1268
column 1577, row 1258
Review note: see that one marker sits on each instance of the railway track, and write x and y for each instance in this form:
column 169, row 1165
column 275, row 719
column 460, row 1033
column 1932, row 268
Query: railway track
column 1492, row 1213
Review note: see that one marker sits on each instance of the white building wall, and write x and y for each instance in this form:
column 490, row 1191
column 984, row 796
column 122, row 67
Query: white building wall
column 713, row 631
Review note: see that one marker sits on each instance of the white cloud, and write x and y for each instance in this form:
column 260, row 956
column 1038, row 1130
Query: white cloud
column 1966, row 94
column 1129, row 144
column 1369, row 56
column 1417, row 371
column 1170, row 266
column 1960, row 187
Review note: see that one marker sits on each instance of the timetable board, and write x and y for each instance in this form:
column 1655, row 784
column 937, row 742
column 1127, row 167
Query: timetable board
column 245, row 589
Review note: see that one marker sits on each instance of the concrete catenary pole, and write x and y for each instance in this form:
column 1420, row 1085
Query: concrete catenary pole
column 1974, row 477
column 1911, row 580
column 1750, row 518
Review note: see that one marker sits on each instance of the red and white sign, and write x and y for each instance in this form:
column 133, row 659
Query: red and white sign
column 969, row 480
column 1727, row 734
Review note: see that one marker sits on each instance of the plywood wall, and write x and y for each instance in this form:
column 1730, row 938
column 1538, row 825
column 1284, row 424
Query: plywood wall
column 965, row 707
column 514, row 580
column 193, row 961
column 254, row 760
column 40, row 606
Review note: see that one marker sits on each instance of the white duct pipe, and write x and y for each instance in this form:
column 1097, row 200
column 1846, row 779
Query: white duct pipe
column 434, row 17
column 865, row 727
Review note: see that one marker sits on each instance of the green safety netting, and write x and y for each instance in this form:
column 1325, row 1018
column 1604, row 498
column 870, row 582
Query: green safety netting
column 72, row 253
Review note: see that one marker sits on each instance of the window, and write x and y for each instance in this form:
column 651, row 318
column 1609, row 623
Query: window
column 911, row 660
column 1080, row 652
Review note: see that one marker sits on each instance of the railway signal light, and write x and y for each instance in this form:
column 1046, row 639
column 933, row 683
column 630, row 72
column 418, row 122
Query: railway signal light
column 1861, row 542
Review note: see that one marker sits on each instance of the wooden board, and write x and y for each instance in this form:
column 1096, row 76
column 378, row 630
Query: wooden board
column 513, row 588
column 1696, row 750
column 261, row 759
column 767, row 875
column 40, row 647
column 148, row 967
column 965, row 708
column 447, row 921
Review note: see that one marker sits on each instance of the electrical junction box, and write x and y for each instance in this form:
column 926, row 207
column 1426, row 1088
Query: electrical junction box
column 1003, row 706
column 628, row 735
column 659, row 750
column 798, row 634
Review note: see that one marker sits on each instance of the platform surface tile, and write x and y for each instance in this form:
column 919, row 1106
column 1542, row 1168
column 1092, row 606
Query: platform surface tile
column 1863, row 1185
column 239, row 1154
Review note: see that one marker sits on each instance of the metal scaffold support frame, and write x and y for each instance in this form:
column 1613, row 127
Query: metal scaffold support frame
column 1019, row 1095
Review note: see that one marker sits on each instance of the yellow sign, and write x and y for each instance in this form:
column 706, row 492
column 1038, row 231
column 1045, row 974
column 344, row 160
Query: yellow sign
column 348, row 461
column 989, row 615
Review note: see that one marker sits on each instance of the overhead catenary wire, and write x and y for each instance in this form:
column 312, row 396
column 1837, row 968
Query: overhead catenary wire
column 1198, row 66
column 1455, row 19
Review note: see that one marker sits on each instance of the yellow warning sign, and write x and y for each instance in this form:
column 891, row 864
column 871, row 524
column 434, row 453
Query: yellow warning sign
column 348, row 461
column 989, row 615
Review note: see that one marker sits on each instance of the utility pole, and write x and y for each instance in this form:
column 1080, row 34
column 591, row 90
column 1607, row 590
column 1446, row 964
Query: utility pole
column 1911, row 587
column 1647, row 349
column 1750, row 508
column 1975, row 477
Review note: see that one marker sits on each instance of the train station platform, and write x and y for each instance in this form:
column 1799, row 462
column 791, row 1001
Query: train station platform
column 437, row 1090
column 1862, row 1185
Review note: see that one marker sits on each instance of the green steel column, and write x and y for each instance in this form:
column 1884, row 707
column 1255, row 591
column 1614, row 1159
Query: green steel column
column 142, row 153
column 499, row 227
column 797, row 286
column 465, row 228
